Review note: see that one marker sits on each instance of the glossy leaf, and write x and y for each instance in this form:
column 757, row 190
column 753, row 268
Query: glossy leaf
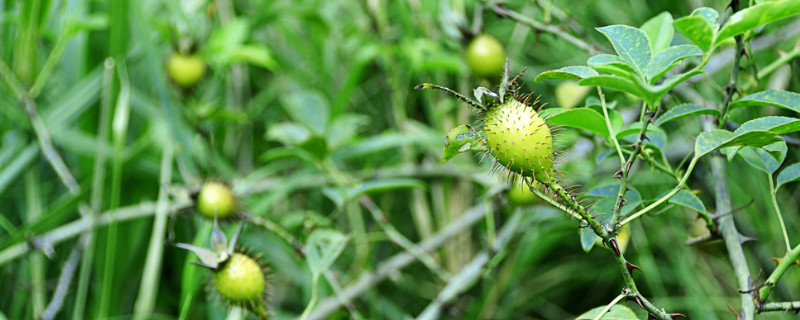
column 685, row 110
column 789, row 174
column 610, row 63
column 660, row 31
column 757, row 15
column 685, row 198
column 570, row 73
column 779, row 125
column 717, row 139
column 617, row 312
column 696, row 29
column 776, row 98
column 613, row 82
column 461, row 139
column 668, row 59
column 581, row 118
column 709, row 14
column 631, row 44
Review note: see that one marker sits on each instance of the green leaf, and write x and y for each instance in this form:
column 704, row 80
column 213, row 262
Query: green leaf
column 779, row 125
column 685, row 198
column 603, row 209
column 617, row 312
column 764, row 160
column 614, row 82
column 685, row 110
column 309, row 108
column 631, row 44
column 709, row 14
column 660, row 31
column 697, row 29
column 344, row 128
column 635, row 128
column 288, row 133
column 461, row 139
column 256, row 54
column 789, row 174
column 611, row 63
column 717, row 139
column 569, row 73
column 776, row 98
column 757, row 15
column 324, row 246
column 668, row 59
column 581, row 118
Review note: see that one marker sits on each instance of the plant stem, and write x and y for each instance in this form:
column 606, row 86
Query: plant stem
column 665, row 197
column 626, row 167
column 557, row 31
column 610, row 305
column 772, row 193
column 779, row 306
column 789, row 259
column 83, row 225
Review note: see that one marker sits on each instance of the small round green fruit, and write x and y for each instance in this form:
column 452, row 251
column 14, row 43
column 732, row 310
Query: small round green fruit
column 521, row 194
column 486, row 56
column 216, row 198
column 240, row 280
column 186, row 70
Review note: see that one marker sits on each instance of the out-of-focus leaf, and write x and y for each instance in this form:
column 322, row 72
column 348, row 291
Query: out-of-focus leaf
column 288, row 133
column 309, row 108
column 709, row 14
column 631, row 44
column 322, row 249
column 757, row 15
column 256, row 54
column 570, row 73
column 344, row 128
column 660, row 31
column 685, row 110
column 382, row 186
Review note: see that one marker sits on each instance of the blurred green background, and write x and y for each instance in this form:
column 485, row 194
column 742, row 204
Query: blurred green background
column 304, row 107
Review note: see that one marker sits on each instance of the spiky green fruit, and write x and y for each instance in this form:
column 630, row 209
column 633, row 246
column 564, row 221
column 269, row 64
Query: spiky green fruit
column 520, row 140
column 240, row 280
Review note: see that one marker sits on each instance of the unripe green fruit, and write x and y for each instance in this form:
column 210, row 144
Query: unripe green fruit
column 486, row 56
column 216, row 198
column 186, row 70
column 520, row 140
column 239, row 280
column 521, row 194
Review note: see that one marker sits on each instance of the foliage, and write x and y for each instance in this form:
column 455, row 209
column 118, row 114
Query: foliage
column 688, row 137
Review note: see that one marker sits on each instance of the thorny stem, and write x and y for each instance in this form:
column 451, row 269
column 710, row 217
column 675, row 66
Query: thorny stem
column 779, row 306
column 626, row 167
column 609, row 237
column 788, row 260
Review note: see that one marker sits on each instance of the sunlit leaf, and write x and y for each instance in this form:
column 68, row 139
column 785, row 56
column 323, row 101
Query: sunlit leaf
column 757, row 15
column 668, row 59
column 570, row 73
column 696, row 29
column 776, row 98
column 617, row 312
column 660, row 31
column 685, row 198
column 631, row 44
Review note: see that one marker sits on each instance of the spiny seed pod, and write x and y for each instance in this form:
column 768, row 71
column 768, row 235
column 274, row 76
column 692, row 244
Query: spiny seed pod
column 216, row 198
column 519, row 139
column 238, row 278
column 240, row 281
column 513, row 132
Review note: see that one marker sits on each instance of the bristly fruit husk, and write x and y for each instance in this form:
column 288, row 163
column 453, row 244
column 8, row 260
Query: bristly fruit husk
column 519, row 139
column 241, row 281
